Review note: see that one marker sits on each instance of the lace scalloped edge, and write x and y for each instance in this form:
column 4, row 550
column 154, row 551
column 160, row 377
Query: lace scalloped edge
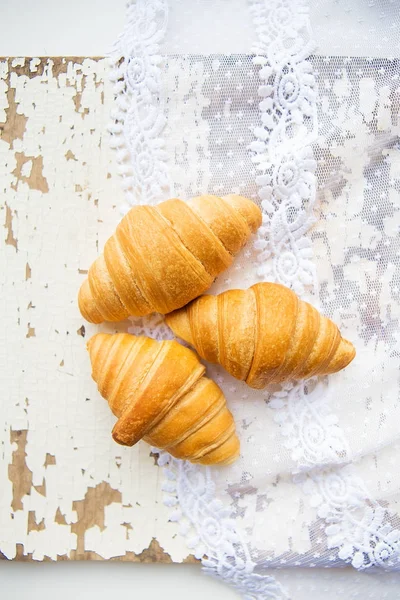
column 138, row 121
column 356, row 525
column 210, row 531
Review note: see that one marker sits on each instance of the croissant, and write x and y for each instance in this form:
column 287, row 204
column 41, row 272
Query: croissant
column 262, row 335
column 159, row 393
column 163, row 256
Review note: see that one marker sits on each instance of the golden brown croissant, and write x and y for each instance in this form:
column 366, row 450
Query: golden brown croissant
column 163, row 256
column 159, row 393
column 262, row 335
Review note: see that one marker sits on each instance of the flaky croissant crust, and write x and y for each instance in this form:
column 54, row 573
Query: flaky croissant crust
column 161, row 257
column 159, row 393
column 262, row 335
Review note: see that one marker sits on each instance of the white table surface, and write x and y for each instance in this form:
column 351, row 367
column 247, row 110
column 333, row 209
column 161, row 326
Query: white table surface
column 48, row 28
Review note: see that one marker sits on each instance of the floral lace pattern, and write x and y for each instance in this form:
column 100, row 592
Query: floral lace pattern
column 285, row 165
column 151, row 326
column 309, row 426
column 210, row 530
column 138, row 119
column 282, row 153
column 360, row 290
column 357, row 525
column 284, row 157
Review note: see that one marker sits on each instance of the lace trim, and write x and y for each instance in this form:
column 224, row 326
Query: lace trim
column 210, row 530
column 282, row 153
column 311, row 429
column 356, row 525
column 138, row 121
column 285, row 164
column 284, row 160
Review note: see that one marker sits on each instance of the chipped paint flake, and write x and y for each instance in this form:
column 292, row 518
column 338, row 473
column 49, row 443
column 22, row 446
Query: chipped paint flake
column 18, row 472
column 29, row 170
column 70, row 155
column 68, row 491
column 32, row 524
column 31, row 331
column 11, row 240
column 14, row 125
column 50, row 460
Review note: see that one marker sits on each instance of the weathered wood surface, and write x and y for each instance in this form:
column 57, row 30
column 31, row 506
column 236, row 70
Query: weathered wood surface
column 67, row 491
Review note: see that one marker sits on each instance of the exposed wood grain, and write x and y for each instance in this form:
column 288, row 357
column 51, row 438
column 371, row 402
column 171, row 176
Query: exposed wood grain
column 154, row 553
column 19, row 474
column 14, row 126
column 10, row 239
column 35, row 180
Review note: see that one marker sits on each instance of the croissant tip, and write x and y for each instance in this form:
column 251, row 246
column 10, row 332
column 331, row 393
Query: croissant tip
column 123, row 434
column 344, row 355
column 351, row 350
column 87, row 305
column 179, row 324
column 248, row 209
column 348, row 347
column 119, row 439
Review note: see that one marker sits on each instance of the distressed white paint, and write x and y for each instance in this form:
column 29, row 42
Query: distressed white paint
column 45, row 378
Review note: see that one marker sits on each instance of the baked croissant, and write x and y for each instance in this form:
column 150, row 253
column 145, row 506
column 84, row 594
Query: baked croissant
column 163, row 256
column 262, row 335
column 159, row 393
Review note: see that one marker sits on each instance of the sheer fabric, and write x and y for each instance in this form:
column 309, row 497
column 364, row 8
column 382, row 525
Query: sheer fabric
column 297, row 107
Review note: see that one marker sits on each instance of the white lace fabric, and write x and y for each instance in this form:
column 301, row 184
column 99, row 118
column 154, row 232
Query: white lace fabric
column 314, row 140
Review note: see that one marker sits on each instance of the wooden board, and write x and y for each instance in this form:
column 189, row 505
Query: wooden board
column 67, row 491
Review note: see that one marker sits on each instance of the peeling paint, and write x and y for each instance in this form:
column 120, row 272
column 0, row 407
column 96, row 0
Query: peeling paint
column 18, row 473
column 41, row 489
column 90, row 511
column 31, row 331
column 34, row 63
column 35, row 179
column 60, row 518
column 153, row 553
column 50, row 460
column 10, row 239
column 32, row 524
column 18, row 61
column 77, row 99
column 70, row 155
column 65, row 483
column 15, row 125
